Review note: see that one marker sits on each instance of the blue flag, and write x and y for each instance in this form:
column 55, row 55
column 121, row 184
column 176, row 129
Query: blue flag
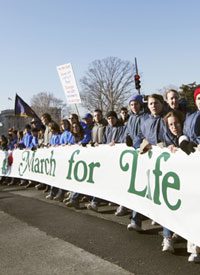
column 23, row 109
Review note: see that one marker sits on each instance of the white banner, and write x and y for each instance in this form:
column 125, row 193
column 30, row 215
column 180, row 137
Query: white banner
column 68, row 82
column 163, row 186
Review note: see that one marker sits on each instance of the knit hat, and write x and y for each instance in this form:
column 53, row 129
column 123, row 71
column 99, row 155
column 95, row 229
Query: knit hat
column 137, row 98
column 88, row 115
column 196, row 92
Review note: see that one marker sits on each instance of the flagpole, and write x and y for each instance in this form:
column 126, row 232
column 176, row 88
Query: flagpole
column 77, row 110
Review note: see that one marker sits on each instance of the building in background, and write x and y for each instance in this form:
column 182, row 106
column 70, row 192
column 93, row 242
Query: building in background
column 9, row 120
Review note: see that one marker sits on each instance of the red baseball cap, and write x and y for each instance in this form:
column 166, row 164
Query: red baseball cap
column 196, row 92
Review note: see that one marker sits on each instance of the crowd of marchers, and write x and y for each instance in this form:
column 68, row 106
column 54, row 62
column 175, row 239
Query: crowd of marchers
column 160, row 120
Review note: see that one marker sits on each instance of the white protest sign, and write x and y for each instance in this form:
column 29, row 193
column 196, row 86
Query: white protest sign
column 68, row 82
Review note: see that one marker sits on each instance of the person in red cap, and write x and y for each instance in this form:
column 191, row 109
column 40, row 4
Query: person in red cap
column 192, row 132
column 196, row 93
column 192, row 123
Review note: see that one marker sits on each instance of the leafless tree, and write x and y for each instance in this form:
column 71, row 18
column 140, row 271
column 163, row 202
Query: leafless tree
column 47, row 103
column 107, row 84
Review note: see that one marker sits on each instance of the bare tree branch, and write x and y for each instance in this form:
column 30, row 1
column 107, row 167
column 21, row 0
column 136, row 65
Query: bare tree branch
column 107, row 84
column 47, row 103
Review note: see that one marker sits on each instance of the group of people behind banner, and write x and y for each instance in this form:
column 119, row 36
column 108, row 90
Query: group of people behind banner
column 164, row 122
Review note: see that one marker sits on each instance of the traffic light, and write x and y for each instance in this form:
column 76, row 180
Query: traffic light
column 137, row 81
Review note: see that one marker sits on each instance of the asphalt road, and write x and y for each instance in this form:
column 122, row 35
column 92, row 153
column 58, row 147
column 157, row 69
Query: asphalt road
column 38, row 236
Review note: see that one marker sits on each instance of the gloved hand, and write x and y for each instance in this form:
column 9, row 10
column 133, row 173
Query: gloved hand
column 187, row 146
column 145, row 146
column 83, row 144
column 129, row 141
column 191, row 146
column 184, row 145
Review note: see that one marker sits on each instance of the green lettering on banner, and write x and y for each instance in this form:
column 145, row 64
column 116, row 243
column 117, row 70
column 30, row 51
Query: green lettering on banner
column 46, row 164
column 52, row 165
column 92, row 165
column 147, row 192
column 157, row 174
column 126, row 167
column 87, row 169
column 71, row 161
column 42, row 166
column 4, row 168
column 23, row 165
column 36, row 165
column 31, row 162
column 175, row 185
column 77, row 167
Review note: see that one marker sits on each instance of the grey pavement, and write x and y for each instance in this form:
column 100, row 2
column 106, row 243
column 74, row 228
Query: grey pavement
column 46, row 225
column 28, row 250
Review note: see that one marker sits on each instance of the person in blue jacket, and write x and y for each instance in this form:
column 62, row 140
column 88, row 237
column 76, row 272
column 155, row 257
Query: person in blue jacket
column 150, row 132
column 87, row 125
column 27, row 138
column 174, row 121
column 131, row 133
column 26, row 144
column 84, row 126
column 76, row 137
column 152, row 124
column 33, row 146
column 114, row 131
column 77, row 134
column 155, row 131
column 12, row 139
column 65, row 131
column 174, row 129
column 34, row 142
column 133, row 125
column 174, row 103
column 55, row 130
